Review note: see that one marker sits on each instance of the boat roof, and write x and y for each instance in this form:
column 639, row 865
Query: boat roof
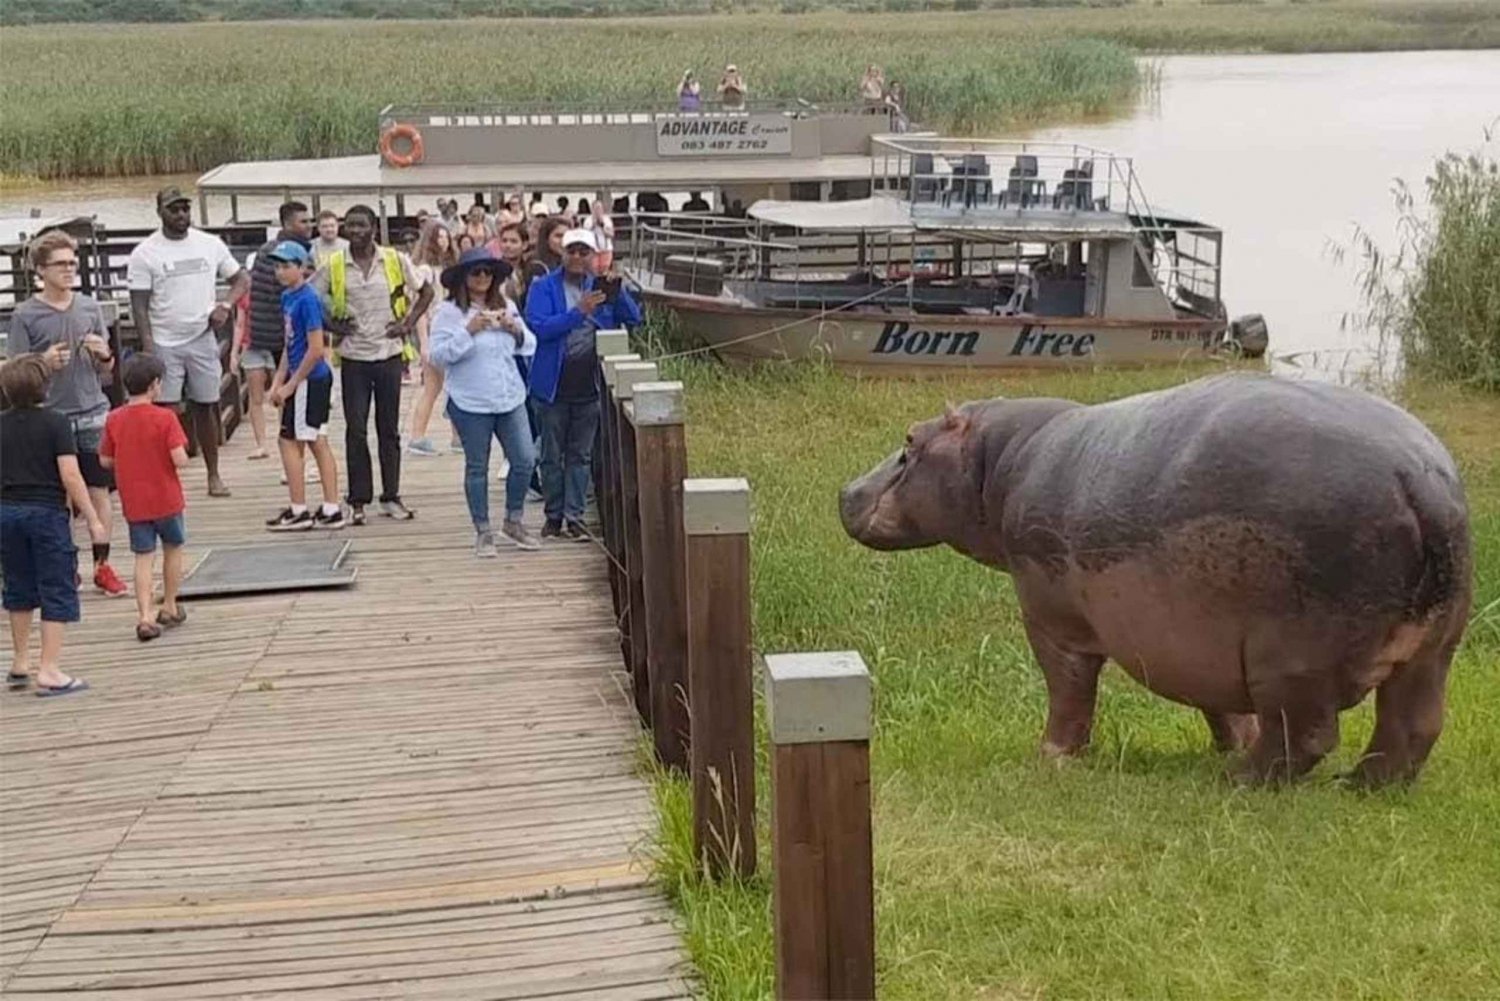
column 17, row 231
column 890, row 214
column 349, row 174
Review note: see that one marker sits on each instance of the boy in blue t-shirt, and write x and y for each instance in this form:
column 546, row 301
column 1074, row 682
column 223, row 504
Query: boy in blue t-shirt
column 303, row 389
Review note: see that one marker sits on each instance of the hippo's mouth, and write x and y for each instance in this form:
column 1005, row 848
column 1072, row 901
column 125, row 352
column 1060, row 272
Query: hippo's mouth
column 862, row 510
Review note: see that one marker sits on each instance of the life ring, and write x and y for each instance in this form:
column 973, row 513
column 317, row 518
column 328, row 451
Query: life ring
column 388, row 140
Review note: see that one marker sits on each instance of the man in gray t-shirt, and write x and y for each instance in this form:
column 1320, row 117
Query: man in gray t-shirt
column 67, row 329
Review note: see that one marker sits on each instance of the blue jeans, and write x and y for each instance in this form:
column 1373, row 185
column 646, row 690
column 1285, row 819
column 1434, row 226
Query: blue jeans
column 476, row 431
column 39, row 560
column 568, row 430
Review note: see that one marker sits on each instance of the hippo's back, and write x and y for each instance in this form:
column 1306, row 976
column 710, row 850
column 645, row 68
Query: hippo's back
column 1305, row 491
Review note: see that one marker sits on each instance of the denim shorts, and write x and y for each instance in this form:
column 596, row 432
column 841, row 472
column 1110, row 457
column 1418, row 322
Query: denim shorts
column 40, row 561
column 253, row 358
column 88, row 434
column 143, row 534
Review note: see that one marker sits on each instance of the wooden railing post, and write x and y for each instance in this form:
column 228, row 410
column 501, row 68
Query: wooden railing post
column 627, row 374
column 607, row 489
column 819, row 712
column 716, row 525
column 661, row 466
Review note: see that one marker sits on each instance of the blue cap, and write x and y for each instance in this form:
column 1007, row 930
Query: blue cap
column 290, row 251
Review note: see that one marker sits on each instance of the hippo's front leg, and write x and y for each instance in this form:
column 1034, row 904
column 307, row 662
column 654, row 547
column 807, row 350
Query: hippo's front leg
column 1072, row 684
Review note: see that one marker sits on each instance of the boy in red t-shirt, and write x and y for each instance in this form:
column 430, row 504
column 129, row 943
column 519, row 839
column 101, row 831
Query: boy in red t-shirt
column 145, row 446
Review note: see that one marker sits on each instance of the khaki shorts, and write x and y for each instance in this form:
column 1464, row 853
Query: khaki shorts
column 193, row 366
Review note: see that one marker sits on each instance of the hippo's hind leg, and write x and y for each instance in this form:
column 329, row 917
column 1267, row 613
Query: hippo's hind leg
column 1232, row 731
column 1072, row 685
column 1409, row 713
column 1292, row 685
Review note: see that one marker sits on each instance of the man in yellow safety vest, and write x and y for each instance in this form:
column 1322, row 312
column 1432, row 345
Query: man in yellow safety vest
column 373, row 297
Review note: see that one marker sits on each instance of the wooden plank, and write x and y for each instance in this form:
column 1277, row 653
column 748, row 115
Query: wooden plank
column 421, row 786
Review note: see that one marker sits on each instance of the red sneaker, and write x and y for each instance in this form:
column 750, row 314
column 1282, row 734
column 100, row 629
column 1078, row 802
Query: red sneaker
column 106, row 580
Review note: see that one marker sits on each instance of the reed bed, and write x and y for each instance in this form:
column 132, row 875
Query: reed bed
column 163, row 99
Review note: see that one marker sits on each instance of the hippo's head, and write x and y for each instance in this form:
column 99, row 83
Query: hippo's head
column 927, row 493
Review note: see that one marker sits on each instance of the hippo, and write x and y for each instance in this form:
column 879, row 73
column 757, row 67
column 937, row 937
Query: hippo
column 1264, row 550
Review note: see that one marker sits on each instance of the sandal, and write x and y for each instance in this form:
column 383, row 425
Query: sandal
column 17, row 680
column 147, row 631
column 163, row 619
column 66, row 688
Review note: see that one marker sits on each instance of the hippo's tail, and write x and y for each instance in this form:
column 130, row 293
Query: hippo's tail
column 1442, row 576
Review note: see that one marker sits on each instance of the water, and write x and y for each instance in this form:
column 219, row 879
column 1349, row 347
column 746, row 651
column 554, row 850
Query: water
column 1287, row 154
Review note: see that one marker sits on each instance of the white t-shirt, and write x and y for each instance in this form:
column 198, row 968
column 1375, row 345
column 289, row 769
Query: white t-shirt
column 182, row 277
column 604, row 236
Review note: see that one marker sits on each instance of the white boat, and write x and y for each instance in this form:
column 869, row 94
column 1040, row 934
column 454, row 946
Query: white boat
column 1064, row 262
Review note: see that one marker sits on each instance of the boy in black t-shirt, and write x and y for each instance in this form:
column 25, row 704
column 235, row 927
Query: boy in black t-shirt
column 39, row 477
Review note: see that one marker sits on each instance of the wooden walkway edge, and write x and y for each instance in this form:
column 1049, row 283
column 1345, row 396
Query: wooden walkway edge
column 421, row 786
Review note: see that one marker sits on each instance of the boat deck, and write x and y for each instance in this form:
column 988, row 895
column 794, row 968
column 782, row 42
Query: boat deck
column 423, row 785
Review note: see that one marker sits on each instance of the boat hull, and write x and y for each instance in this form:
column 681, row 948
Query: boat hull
column 904, row 341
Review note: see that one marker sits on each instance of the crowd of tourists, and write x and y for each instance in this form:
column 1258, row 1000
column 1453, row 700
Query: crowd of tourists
column 497, row 312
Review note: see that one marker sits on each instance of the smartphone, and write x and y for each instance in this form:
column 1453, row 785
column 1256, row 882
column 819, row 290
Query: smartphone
column 610, row 286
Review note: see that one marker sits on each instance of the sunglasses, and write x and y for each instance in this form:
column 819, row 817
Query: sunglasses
column 579, row 249
column 484, row 271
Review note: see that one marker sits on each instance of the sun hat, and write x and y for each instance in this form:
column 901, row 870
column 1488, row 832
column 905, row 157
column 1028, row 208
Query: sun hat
column 583, row 236
column 289, row 251
column 472, row 258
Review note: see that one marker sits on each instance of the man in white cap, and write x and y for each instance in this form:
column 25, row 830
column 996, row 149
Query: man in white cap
column 564, row 309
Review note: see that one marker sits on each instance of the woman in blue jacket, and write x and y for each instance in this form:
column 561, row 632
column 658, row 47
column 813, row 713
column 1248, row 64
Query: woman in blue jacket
column 565, row 309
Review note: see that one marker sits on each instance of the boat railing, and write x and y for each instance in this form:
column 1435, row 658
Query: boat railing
column 612, row 112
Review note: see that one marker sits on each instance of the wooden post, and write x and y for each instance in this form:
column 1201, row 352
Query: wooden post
column 661, row 466
column 716, row 524
column 818, row 706
column 607, row 487
column 627, row 374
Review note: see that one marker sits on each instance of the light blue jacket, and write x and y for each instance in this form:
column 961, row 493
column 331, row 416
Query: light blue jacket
column 482, row 377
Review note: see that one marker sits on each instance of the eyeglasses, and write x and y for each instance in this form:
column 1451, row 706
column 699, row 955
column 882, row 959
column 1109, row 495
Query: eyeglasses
column 70, row 263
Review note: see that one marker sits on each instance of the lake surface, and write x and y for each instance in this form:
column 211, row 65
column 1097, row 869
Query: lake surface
column 1286, row 154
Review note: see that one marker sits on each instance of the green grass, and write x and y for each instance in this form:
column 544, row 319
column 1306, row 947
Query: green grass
column 143, row 99
column 1136, row 872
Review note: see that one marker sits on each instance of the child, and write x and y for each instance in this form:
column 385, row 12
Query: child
column 145, row 446
column 303, row 389
column 39, row 477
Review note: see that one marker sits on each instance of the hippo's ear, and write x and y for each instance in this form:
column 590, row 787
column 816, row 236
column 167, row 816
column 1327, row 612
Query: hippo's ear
column 954, row 419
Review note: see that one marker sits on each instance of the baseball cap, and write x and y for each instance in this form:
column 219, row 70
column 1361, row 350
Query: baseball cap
column 289, row 251
column 166, row 196
column 582, row 236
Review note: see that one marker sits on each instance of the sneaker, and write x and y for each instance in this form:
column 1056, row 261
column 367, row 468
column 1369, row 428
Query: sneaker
column 577, row 532
column 329, row 521
column 396, row 509
column 484, row 545
column 357, row 514
column 422, row 446
column 455, row 446
column 552, row 529
column 106, row 580
column 520, row 535
column 286, row 521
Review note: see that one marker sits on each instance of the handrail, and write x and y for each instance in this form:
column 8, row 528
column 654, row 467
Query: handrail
column 663, row 107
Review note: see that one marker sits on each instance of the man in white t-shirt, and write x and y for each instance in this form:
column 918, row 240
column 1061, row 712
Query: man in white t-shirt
column 173, row 277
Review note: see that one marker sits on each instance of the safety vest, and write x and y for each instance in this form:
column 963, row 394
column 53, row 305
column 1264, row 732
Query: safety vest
column 395, row 279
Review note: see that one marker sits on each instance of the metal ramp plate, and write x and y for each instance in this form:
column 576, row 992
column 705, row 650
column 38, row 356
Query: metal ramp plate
column 287, row 566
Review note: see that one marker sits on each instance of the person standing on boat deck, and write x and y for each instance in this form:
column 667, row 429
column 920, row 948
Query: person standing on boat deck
column 732, row 89
column 689, row 92
column 67, row 329
column 696, row 203
column 434, row 253
column 173, row 276
column 328, row 242
column 267, row 327
column 372, row 297
column 872, row 87
column 477, row 337
column 565, row 309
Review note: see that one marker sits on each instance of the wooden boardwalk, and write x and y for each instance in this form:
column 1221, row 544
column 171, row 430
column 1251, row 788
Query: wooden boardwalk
column 422, row 786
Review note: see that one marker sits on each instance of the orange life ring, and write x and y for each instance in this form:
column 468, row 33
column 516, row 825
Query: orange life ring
column 388, row 140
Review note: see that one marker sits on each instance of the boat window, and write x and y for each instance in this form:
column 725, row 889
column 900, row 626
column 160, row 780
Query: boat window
column 1141, row 273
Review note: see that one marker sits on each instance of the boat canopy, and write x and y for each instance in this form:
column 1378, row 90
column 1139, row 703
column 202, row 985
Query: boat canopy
column 883, row 213
column 365, row 174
